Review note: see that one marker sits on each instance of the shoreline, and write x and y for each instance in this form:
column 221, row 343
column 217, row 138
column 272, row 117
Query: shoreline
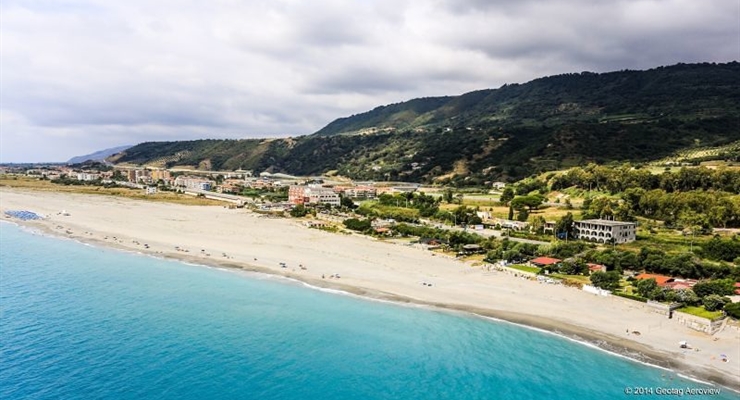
column 380, row 286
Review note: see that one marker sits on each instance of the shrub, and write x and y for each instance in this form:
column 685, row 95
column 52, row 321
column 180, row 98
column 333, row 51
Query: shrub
column 355, row 224
column 631, row 297
column 713, row 302
column 733, row 310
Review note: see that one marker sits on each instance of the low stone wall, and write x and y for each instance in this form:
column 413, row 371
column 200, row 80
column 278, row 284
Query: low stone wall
column 700, row 324
column 596, row 291
column 662, row 308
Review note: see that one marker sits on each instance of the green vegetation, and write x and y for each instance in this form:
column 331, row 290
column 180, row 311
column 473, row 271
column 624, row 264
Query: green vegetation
column 733, row 310
column 694, row 199
column 360, row 225
column 606, row 280
column 631, row 296
column 701, row 312
column 299, row 211
column 498, row 134
column 525, row 268
column 45, row 185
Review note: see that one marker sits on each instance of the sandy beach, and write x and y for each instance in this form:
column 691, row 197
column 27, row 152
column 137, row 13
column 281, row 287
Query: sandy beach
column 237, row 238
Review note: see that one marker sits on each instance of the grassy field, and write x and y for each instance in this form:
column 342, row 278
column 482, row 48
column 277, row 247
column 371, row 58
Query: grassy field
column 577, row 278
column 525, row 268
column 168, row 197
column 701, row 312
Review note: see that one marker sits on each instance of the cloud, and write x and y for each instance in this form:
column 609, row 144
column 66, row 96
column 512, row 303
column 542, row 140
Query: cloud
column 82, row 75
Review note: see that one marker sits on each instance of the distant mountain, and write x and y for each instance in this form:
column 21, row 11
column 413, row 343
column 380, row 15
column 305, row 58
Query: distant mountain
column 98, row 155
column 681, row 91
column 494, row 134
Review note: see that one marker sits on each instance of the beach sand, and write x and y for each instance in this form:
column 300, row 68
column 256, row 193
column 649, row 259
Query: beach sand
column 237, row 238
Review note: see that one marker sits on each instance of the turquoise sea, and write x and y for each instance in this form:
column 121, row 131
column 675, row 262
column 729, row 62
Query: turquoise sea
column 80, row 322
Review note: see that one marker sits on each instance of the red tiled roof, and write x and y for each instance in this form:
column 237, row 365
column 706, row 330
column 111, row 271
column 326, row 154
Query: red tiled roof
column 544, row 261
column 661, row 280
column 678, row 285
column 596, row 267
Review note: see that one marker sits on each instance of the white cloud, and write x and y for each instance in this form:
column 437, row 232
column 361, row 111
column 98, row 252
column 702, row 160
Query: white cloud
column 78, row 76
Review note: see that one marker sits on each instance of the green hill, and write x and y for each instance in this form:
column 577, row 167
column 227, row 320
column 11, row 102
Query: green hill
column 506, row 133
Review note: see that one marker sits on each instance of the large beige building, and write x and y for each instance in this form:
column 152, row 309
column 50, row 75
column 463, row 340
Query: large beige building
column 603, row 231
column 312, row 194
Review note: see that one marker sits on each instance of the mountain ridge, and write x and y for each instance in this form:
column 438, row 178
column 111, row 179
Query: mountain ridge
column 494, row 134
column 99, row 155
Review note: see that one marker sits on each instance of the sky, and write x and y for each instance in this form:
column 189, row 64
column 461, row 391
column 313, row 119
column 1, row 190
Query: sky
column 84, row 75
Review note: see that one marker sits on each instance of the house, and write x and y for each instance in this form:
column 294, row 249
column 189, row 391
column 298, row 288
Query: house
column 316, row 224
column 431, row 243
column 511, row 224
column 549, row 227
column 84, row 176
column 359, row 191
column 681, row 284
column 661, row 280
column 596, row 267
column 498, row 185
column 737, row 288
column 484, row 215
column 605, row 231
column 230, row 186
column 544, row 261
column 471, row 249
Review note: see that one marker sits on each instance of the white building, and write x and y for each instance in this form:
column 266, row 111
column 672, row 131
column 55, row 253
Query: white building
column 605, row 231
column 84, row 176
column 194, row 183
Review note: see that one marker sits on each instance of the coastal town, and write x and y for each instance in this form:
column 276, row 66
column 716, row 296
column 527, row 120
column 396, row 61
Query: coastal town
column 602, row 256
column 369, row 200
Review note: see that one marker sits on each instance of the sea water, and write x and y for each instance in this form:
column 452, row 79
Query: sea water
column 81, row 322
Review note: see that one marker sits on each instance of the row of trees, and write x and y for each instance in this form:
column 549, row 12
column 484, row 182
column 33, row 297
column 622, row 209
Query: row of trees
column 617, row 180
column 683, row 209
column 427, row 205
column 711, row 294
column 685, row 265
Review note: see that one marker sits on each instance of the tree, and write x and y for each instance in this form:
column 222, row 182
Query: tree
column 447, row 196
column 507, row 195
column 522, row 215
column 355, row 224
column 733, row 310
column 720, row 287
column 564, row 227
column 466, row 216
column 538, row 224
column 606, row 280
column 688, row 297
column 299, row 211
column 532, row 202
column 713, row 302
column 646, row 287
column 347, row 202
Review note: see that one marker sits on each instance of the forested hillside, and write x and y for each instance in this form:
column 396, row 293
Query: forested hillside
column 496, row 134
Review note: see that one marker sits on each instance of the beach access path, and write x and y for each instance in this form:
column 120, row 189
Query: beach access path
column 237, row 238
